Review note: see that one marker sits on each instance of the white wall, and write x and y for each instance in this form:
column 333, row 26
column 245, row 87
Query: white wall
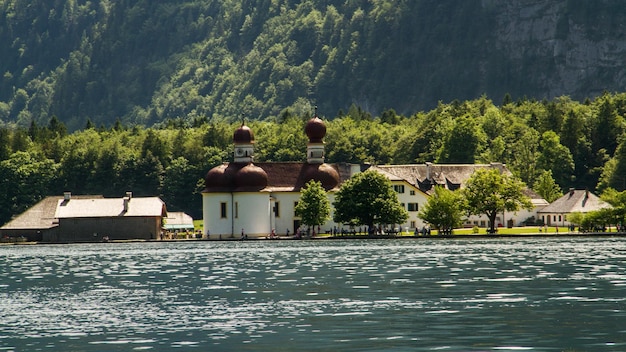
column 418, row 197
column 211, row 214
column 247, row 211
column 286, row 213
column 285, row 220
column 252, row 214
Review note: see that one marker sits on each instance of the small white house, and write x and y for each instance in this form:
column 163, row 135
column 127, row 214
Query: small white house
column 573, row 201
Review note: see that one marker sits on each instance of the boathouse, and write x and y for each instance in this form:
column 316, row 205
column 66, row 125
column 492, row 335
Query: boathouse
column 89, row 219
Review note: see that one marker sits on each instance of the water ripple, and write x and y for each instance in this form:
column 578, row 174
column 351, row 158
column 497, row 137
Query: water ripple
column 515, row 294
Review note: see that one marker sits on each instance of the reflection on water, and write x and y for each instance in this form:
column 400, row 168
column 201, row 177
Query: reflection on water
column 401, row 295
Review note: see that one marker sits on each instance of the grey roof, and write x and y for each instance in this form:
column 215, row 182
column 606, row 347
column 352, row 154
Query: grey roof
column 40, row 215
column 426, row 176
column 575, row 201
column 450, row 176
column 178, row 220
column 110, row 207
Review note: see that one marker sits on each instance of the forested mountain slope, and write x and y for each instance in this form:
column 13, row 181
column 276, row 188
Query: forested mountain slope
column 147, row 61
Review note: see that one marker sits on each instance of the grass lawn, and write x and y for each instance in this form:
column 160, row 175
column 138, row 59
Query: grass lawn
column 522, row 230
column 198, row 225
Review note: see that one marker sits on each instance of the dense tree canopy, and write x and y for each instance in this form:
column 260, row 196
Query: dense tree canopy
column 148, row 61
column 368, row 199
column 546, row 187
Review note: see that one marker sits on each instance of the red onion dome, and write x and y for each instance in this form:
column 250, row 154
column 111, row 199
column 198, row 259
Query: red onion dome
column 324, row 173
column 220, row 178
column 215, row 178
column 250, row 178
column 243, row 135
column 315, row 129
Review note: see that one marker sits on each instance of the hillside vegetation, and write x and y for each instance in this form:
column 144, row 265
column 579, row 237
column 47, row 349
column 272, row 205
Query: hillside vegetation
column 551, row 145
column 144, row 62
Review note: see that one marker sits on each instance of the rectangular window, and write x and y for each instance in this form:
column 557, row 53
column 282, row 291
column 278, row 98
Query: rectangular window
column 317, row 154
column 223, row 210
column 413, row 207
column 412, row 192
column 236, row 210
column 553, row 217
column 559, row 217
column 412, row 224
column 277, row 209
column 398, row 188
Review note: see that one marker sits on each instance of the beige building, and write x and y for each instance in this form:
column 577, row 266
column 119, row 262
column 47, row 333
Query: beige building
column 414, row 183
column 89, row 219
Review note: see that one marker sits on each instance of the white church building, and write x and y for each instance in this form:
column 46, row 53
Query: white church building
column 243, row 198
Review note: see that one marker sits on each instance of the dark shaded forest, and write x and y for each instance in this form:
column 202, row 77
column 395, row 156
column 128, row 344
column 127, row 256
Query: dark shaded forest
column 144, row 62
column 551, row 145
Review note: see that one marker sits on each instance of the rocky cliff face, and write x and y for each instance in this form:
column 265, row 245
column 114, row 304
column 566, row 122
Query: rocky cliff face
column 562, row 47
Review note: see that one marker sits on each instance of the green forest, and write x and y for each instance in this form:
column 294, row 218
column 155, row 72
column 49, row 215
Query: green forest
column 147, row 61
column 144, row 62
column 551, row 145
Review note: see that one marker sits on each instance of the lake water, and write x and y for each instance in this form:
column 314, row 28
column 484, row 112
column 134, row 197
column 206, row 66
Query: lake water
column 536, row 294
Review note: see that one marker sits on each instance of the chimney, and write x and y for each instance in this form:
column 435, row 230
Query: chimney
column 127, row 199
column 429, row 166
column 571, row 191
column 67, row 196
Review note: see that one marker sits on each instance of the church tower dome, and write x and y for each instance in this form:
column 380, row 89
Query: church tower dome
column 243, row 135
column 243, row 139
column 315, row 129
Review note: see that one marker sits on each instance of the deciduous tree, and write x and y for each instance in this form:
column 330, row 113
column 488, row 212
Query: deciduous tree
column 444, row 209
column 313, row 207
column 368, row 199
column 490, row 192
column 547, row 187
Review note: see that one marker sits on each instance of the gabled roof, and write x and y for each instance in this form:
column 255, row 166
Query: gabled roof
column 39, row 216
column 426, row 176
column 451, row 176
column 110, row 207
column 575, row 201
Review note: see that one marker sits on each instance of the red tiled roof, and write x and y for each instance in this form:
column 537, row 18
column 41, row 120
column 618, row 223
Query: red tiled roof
column 292, row 176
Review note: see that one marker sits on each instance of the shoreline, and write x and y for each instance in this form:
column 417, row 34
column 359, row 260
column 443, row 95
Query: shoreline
column 334, row 238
